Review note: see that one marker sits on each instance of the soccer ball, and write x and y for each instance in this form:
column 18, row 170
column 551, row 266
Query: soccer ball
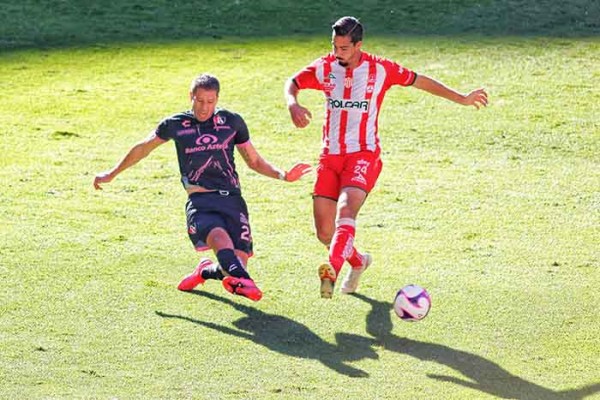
column 412, row 303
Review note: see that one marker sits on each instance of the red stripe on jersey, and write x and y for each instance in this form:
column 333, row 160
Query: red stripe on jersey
column 327, row 92
column 371, row 79
column 348, row 82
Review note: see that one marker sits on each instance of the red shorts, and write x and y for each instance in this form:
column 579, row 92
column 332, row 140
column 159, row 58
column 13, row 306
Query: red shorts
column 335, row 172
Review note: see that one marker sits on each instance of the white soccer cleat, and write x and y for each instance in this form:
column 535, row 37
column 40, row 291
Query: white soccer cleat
column 350, row 283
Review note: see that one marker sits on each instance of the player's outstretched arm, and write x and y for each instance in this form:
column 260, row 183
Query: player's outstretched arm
column 477, row 98
column 300, row 115
column 135, row 154
column 263, row 167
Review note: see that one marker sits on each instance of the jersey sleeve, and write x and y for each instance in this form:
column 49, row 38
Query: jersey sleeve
column 398, row 75
column 163, row 131
column 307, row 77
column 242, row 134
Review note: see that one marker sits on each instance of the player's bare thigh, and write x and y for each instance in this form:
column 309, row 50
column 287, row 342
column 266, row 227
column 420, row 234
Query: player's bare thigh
column 350, row 202
column 324, row 212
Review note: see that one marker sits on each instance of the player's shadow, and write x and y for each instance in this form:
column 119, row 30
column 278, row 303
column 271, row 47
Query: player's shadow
column 289, row 337
column 484, row 375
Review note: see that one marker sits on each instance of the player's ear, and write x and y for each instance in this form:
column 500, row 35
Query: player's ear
column 358, row 44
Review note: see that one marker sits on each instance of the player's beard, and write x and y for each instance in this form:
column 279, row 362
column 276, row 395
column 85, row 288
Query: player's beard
column 342, row 63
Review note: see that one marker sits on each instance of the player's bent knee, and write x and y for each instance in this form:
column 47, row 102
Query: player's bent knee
column 324, row 237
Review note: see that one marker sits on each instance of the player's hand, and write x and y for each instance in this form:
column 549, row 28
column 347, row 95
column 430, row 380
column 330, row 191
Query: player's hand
column 477, row 98
column 297, row 172
column 102, row 177
column 300, row 116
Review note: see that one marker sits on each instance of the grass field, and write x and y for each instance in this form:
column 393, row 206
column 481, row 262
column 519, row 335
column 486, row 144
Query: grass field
column 496, row 212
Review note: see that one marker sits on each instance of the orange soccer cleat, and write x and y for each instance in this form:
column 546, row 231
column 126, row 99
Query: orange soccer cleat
column 328, row 277
column 195, row 278
column 243, row 287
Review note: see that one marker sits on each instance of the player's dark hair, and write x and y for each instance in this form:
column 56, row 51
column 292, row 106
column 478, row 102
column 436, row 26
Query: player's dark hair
column 348, row 26
column 206, row 82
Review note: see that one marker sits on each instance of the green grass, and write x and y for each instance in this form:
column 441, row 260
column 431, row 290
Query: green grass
column 495, row 212
column 31, row 23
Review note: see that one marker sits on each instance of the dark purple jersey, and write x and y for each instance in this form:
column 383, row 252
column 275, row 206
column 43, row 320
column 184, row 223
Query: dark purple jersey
column 205, row 149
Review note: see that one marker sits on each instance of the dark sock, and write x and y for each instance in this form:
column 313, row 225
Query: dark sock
column 231, row 264
column 213, row 272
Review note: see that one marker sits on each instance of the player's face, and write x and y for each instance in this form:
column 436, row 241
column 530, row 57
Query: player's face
column 346, row 52
column 204, row 103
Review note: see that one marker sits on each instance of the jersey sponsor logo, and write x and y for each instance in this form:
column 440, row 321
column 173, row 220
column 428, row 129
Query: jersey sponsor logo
column 362, row 105
column 188, row 131
column 206, row 139
column 331, row 75
column 190, row 150
column 186, row 123
column 206, row 142
column 328, row 86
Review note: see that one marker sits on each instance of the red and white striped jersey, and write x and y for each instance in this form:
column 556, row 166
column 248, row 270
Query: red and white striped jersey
column 353, row 99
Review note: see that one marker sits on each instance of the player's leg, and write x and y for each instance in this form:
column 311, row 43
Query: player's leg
column 236, row 280
column 221, row 243
column 240, row 235
column 209, row 217
column 325, row 196
column 342, row 244
column 324, row 211
column 200, row 221
column 360, row 176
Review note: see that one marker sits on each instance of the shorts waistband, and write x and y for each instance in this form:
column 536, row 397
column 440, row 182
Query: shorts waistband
column 230, row 192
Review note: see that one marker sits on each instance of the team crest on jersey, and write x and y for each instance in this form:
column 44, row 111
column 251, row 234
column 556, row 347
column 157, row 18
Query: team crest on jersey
column 218, row 120
column 348, row 82
column 371, row 80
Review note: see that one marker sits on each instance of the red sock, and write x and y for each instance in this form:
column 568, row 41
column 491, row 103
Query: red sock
column 355, row 258
column 342, row 243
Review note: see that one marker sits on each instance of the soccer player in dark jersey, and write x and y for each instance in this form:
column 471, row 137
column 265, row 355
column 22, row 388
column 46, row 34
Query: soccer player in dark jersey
column 217, row 216
column 354, row 84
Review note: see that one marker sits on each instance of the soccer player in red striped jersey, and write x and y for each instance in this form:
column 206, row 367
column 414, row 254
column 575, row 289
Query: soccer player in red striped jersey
column 354, row 83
